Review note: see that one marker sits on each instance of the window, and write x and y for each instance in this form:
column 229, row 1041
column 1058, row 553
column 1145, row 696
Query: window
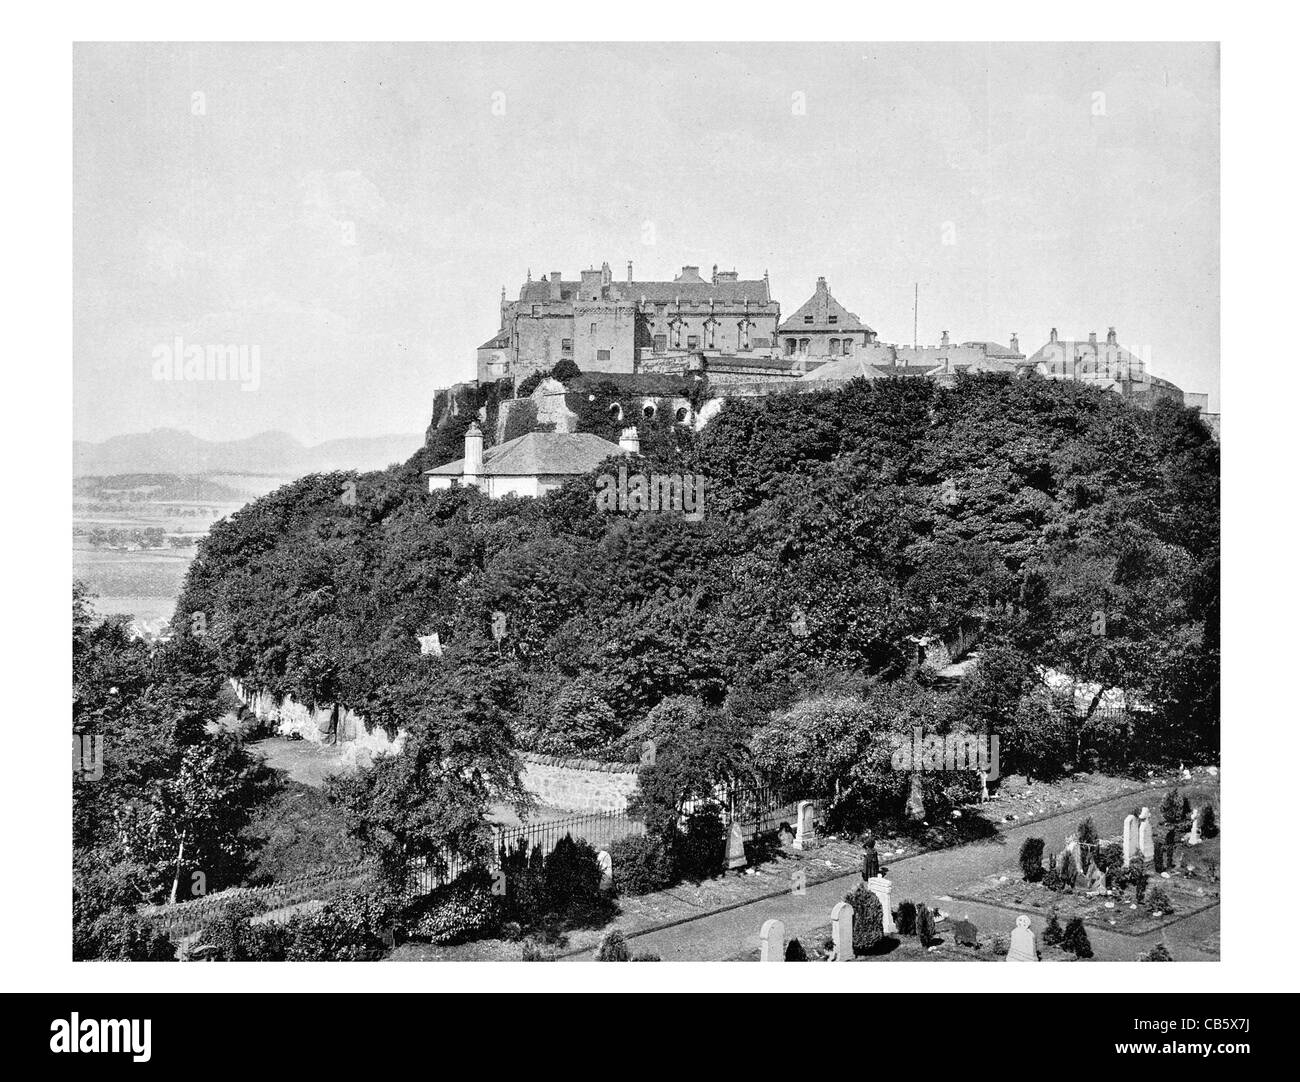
column 566, row 294
column 692, row 341
column 803, row 345
column 648, row 412
column 566, row 344
column 593, row 328
column 790, row 345
column 537, row 309
column 848, row 346
column 807, row 319
column 602, row 354
column 661, row 342
column 835, row 347
column 682, row 415
column 615, row 411
column 834, row 319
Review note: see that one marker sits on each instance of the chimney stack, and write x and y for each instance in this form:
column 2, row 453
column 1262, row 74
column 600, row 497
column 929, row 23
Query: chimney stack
column 1092, row 338
column 944, row 340
column 629, row 441
column 1110, row 337
column 1053, row 334
column 629, row 270
column 473, row 471
column 1015, row 342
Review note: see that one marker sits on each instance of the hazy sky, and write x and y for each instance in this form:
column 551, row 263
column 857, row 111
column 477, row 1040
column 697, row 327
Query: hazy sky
column 353, row 210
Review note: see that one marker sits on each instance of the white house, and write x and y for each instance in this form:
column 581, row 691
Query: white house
column 529, row 465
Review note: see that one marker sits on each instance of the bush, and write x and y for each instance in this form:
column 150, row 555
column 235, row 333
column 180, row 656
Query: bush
column 1136, row 874
column 1052, row 879
column 230, row 934
column 1031, row 859
column 1209, row 822
column 465, row 908
column 868, row 919
column 642, row 863
column 1171, row 808
column 355, row 926
column 120, row 935
column 1158, row 953
column 702, row 847
column 565, row 370
column 1052, row 934
column 1075, row 939
column 1087, row 832
column 924, row 924
column 533, row 953
column 572, row 877
column 613, row 947
column 1158, row 901
column 794, row 952
column 905, row 918
column 1109, row 857
column 525, row 883
column 646, row 956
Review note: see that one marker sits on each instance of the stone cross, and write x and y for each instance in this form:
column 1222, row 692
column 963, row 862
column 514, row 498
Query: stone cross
column 882, row 888
column 1130, row 838
column 805, row 835
column 772, row 940
column 1022, row 942
column 1144, row 836
column 735, row 848
column 842, row 931
column 1194, row 835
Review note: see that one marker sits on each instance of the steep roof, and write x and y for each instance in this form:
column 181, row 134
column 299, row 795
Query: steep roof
column 498, row 341
column 821, row 306
column 729, row 291
column 540, row 454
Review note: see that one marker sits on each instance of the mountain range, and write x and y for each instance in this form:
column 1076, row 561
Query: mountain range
column 169, row 450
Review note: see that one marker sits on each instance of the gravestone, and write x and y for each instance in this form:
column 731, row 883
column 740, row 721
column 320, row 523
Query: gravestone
column 842, row 931
column 965, row 933
column 1194, row 835
column 882, row 888
column 786, row 835
column 606, row 869
column 1096, row 883
column 735, row 848
column 1130, row 838
column 805, row 834
column 1022, row 942
column 772, row 941
column 1144, row 836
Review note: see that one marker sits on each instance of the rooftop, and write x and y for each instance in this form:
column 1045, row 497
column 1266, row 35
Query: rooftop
column 539, row 454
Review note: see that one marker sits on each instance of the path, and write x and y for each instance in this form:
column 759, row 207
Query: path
column 927, row 876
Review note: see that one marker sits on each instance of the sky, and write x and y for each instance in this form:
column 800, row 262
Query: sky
column 348, row 214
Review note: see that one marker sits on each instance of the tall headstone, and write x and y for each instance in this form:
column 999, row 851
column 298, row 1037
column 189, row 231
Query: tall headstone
column 1130, row 838
column 1145, row 842
column 606, row 869
column 735, row 848
column 842, row 931
column 882, row 888
column 1022, row 942
column 805, row 834
column 1194, row 835
column 772, row 941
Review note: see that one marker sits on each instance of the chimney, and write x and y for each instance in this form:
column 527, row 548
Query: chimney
column 821, row 285
column 944, row 340
column 555, row 285
column 629, row 270
column 472, row 474
column 629, row 441
column 1092, row 338
column 1110, row 337
column 605, row 276
column 1053, row 334
column 1015, row 342
column 715, row 274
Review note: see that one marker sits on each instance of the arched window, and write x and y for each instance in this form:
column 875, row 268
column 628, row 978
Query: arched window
column 648, row 411
column 848, row 346
column 835, row 347
column 683, row 415
column 804, row 344
column 615, row 411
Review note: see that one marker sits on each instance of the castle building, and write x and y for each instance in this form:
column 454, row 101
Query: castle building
column 603, row 325
column 822, row 328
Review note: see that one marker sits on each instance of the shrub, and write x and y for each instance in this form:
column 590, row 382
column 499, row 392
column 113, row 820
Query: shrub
column 120, row 935
column 524, row 872
column 1158, row 953
column 572, row 878
column 1069, row 871
column 1109, row 856
column 1031, row 859
column 463, row 909
column 642, row 863
column 794, row 952
column 565, row 370
column 702, row 847
column 1137, row 875
column 1158, row 901
column 230, row 934
column 533, row 953
column 868, row 919
column 1075, row 939
column 1087, row 832
column 905, row 918
column 646, row 956
column 924, row 924
column 355, row 926
column 1171, row 807
column 1052, row 879
column 613, row 947
column 1053, row 934
column 1209, row 823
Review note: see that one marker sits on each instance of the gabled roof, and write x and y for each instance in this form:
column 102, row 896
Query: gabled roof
column 847, row 368
column 821, row 306
column 534, row 454
column 498, row 341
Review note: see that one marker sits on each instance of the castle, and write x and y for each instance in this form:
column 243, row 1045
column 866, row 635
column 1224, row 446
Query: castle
column 729, row 329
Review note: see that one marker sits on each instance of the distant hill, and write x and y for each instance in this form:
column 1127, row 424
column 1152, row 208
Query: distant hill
column 170, row 451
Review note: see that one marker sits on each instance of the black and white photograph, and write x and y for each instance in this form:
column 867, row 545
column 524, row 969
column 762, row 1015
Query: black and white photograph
column 706, row 502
